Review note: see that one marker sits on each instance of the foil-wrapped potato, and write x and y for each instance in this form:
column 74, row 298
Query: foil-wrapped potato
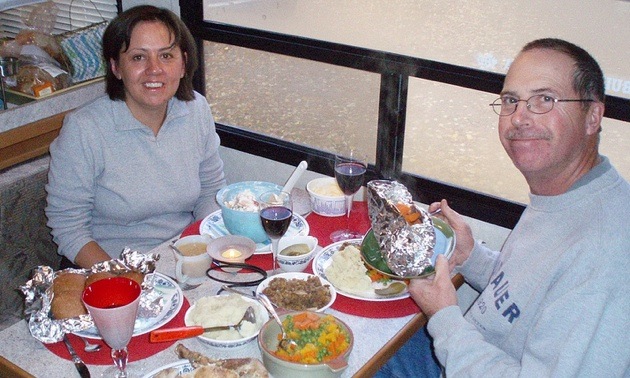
column 403, row 230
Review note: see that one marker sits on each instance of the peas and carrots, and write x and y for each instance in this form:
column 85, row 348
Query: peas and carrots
column 319, row 339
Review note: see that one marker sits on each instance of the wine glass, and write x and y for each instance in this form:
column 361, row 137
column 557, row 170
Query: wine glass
column 113, row 305
column 276, row 212
column 349, row 173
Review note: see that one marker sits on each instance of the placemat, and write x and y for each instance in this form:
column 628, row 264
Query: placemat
column 139, row 347
column 381, row 309
column 321, row 227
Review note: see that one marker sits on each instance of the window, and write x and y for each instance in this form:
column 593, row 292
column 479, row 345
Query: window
column 297, row 100
column 434, row 67
column 71, row 15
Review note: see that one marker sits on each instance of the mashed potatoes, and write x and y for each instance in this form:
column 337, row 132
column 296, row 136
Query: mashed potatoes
column 221, row 311
column 243, row 201
column 347, row 271
column 329, row 190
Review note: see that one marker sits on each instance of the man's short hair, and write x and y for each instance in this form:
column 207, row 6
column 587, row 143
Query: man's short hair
column 588, row 78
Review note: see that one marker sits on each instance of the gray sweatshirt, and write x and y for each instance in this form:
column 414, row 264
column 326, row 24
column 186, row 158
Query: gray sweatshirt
column 112, row 181
column 554, row 301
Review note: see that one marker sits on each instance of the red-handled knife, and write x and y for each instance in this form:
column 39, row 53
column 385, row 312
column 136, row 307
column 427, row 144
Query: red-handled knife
column 177, row 333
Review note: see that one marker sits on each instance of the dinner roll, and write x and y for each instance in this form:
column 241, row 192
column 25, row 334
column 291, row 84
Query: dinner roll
column 67, row 304
column 66, row 281
column 98, row 276
column 136, row 276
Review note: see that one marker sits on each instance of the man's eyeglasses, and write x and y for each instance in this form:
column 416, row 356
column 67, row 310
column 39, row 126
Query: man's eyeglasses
column 538, row 104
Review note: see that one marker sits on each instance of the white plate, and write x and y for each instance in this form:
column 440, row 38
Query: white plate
column 213, row 226
column 324, row 259
column 173, row 301
column 181, row 366
column 302, row 276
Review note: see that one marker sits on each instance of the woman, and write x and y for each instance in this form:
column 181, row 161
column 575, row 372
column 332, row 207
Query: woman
column 134, row 168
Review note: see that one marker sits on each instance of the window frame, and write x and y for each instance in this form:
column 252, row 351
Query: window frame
column 392, row 109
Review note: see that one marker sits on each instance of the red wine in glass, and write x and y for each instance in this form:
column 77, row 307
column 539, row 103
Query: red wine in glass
column 349, row 173
column 275, row 220
column 349, row 177
column 276, row 212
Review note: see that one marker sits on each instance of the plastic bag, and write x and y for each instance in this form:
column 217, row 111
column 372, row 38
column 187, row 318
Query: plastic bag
column 42, row 17
column 40, row 23
column 39, row 75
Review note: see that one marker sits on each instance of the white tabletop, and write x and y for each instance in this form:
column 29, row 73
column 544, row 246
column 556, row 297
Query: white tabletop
column 22, row 349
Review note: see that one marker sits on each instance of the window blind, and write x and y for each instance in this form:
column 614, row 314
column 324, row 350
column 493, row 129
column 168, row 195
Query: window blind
column 71, row 15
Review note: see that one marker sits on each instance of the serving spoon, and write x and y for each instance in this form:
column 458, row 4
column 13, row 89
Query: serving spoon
column 297, row 173
column 285, row 342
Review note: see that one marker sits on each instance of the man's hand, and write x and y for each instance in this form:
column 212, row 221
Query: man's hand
column 435, row 292
column 463, row 233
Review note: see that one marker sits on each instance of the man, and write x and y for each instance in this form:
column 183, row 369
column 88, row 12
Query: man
column 553, row 301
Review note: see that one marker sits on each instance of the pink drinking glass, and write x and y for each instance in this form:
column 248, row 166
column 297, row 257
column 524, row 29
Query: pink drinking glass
column 113, row 305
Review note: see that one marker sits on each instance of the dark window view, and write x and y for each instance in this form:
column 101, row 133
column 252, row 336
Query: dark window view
column 311, row 103
column 450, row 131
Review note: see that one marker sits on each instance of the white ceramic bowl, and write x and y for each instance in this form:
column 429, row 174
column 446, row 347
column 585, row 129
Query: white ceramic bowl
column 262, row 316
column 296, row 263
column 322, row 203
column 301, row 276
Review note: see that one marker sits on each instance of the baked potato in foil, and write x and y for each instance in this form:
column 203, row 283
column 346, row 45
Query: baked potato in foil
column 404, row 231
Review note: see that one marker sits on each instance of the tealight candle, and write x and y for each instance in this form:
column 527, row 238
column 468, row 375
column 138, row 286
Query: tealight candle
column 231, row 254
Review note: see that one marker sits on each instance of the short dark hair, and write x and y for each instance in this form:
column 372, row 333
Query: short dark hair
column 117, row 37
column 588, row 78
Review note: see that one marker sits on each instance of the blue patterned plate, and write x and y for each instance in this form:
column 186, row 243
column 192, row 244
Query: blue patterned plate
column 180, row 367
column 213, row 225
column 173, row 301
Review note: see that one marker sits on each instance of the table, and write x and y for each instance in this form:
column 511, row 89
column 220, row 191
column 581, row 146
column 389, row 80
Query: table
column 371, row 349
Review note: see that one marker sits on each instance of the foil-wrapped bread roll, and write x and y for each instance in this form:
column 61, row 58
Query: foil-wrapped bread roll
column 403, row 230
column 53, row 304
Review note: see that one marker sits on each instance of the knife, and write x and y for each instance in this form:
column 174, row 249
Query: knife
column 78, row 363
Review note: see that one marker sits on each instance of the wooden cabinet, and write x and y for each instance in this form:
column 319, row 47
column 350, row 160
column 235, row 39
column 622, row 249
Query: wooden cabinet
column 28, row 141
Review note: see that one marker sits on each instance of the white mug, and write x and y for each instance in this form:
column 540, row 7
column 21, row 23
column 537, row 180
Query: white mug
column 191, row 267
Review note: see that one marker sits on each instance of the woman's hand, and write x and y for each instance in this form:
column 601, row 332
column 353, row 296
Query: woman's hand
column 463, row 233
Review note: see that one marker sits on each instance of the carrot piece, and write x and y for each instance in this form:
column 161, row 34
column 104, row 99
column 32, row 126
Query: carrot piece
column 298, row 318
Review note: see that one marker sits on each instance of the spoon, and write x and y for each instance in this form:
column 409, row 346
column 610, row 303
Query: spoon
column 249, row 316
column 391, row 289
column 89, row 347
column 435, row 212
column 284, row 343
column 177, row 333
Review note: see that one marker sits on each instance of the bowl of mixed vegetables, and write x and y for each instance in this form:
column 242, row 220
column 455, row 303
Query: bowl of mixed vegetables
column 323, row 345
